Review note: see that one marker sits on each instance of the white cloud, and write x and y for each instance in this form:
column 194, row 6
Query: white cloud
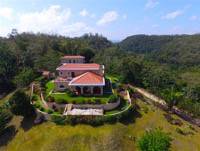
column 108, row 17
column 84, row 13
column 51, row 20
column 193, row 18
column 173, row 15
column 46, row 20
column 6, row 12
column 151, row 4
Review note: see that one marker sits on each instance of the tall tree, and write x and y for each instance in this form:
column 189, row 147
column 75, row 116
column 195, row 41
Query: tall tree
column 20, row 104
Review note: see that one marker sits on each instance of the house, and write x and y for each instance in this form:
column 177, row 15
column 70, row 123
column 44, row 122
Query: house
column 72, row 59
column 83, row 78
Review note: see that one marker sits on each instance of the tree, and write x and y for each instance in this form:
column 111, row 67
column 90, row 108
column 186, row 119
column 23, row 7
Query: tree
column 25, row 77
column 131, row 70
column 5, row 118
column 20, row 104
column 7, row 68
column 88, row 53
column 154, row 140
column 172, row 96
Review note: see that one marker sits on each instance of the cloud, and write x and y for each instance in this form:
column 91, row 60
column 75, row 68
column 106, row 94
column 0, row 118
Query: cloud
column 84, row 13
column 172, row 15
column 193, row 18
column 6, row 12
column 108, row 17
column 51, row 20
column 46, row 20
column 151, row 4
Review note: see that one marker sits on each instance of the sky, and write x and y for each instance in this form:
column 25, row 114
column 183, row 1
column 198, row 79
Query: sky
column 115, row 19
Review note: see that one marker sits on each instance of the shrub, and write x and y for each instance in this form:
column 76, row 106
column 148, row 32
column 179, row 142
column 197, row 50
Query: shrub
column 97, row 101
column 34, row 98
column 180, row 131
column 20, row 104
column 60, row 101
column 50, row 99
column 49, row 111
column 113, row 98
column 154, row 140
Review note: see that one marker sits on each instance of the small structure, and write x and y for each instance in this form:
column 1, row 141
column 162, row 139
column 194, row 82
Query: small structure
column 72, row 59
column 83, row 78
column 46, row 74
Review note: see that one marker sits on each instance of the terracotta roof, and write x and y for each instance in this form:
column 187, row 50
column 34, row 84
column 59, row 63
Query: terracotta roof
column 73, row 57
column 88, row 79
column 79, row 66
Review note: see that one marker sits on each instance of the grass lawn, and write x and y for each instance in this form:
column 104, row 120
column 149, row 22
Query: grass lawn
column 78, row 99
column 123, row 105
column 116, row 137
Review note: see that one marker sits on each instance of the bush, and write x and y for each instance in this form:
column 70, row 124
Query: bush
column 97, row 101
column 154, row 140
column 180, row 131
column 60, row 101
column 20, row 104
column 34, row 98
column 113, row 98
column 49, row 111
column 50, row 99
column 5, row 118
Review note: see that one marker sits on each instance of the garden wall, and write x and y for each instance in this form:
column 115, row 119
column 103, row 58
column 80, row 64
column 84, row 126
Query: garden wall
column 106, row 107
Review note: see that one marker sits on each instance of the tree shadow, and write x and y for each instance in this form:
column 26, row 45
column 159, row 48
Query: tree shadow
column 7, row 135
column 131, row 117
column 28, row 122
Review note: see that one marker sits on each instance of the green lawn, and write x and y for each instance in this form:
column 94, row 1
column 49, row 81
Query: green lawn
column 123, row 105
column 116, row 137
column 78, row 99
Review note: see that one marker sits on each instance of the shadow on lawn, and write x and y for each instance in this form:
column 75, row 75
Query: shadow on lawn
column 28, row 122
column 7, row 135
column 130, row 119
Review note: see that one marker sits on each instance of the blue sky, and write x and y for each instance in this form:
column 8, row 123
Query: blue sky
column 115, row 19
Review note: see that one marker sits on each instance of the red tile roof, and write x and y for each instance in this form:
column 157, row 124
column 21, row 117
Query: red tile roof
column 73, row 57
column 79, row 66
column 88, row 79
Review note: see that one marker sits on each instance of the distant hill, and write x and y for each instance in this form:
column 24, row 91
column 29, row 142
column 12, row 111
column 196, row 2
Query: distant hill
column 177, row 49
column 145, row 43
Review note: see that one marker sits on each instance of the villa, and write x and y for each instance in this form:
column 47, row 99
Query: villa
column 83, row 78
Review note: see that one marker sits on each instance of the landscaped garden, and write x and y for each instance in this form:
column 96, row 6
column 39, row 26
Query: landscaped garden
column 69, row 97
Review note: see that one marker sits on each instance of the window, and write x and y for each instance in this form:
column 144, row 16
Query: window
column 74, row 61
column 69, row 61
column 62, row 86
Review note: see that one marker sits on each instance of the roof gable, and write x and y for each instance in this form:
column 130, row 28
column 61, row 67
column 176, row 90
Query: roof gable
column 88, row 79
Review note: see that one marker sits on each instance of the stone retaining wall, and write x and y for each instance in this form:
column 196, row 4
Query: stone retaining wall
column 106, row 107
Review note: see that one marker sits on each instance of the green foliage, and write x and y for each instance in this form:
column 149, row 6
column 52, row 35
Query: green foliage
column 5, row 118
column 113, row 98
column 154, row 140
column 25, row 77
column 145, row 43
column 7, row 68
column 20, row 104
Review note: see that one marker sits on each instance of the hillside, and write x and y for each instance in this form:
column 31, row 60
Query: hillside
column 175, row 50
column 109, row 137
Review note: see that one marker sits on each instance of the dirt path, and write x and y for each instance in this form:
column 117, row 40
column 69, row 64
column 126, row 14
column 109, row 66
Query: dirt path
column 150, row 95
